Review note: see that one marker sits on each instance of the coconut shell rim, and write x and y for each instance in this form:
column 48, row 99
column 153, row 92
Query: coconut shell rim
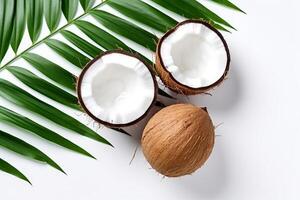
column 199, row 21
column 89, row 64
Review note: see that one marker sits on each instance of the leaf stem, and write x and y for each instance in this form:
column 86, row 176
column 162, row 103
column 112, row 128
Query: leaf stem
column 18, row 56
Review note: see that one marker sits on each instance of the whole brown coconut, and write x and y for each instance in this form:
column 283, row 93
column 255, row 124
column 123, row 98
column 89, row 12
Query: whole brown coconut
column 178, row 139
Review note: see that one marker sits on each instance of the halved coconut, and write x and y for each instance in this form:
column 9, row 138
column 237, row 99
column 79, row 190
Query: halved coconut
column 117, row 89
column 192, row 58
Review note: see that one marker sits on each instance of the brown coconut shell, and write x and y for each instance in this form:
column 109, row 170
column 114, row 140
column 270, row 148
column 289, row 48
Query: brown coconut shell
column 178, row 139
column 168, row 78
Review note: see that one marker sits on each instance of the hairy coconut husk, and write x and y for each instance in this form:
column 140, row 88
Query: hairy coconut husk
column 168, row 79
column 178, row 139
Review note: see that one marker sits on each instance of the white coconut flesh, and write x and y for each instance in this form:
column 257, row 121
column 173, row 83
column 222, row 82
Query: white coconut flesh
column 194, row 54
column 117, row 88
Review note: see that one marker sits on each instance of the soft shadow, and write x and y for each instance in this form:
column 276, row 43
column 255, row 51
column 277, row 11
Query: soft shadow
column 222, row 98
column 136, row 130
column 211, row 180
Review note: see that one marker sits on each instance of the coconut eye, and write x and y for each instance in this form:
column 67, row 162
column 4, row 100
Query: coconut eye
column 192, row 58
column 116, row 89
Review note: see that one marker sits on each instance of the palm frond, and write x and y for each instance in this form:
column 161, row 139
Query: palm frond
column 59, row 84
column 51, row 70
column 44, row 87
column 87, row 4
column 144, row 13
column 82, row 44
column 18, row 146
column 34, row 9
column 69, row 8
column 6, row 25
column 18, row 25
column 126, row 29
column 8, row 168
column 52, row 13
column 67, row 52
column 193, row 10
column 228, row 4
column 101, row 37
column 32, row 127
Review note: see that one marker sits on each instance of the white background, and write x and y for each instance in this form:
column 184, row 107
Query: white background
column 256, row 155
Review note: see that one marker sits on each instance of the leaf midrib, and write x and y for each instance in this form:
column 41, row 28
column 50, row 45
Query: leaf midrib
column 49, row 36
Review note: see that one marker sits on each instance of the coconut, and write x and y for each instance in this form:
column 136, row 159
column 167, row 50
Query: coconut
column 117, row 89
column 192, row 58
column 178, row 139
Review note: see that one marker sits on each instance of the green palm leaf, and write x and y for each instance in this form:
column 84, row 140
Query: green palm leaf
column 8, row 168
column 80, row 43
column 34, row 10
column 191, row 9
column 51, row 70
column 87, row 4
column 101, row 37
column 228, row 4
column 19, row 24
column 67, row 52
column 20, row 121
column 52, row 13
column 20, row 147
column 69, row 8
column 126, row 29
column 53, row 92
column 59, row 84
column 6, row 25
column 144, row 13
column 208, row 13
